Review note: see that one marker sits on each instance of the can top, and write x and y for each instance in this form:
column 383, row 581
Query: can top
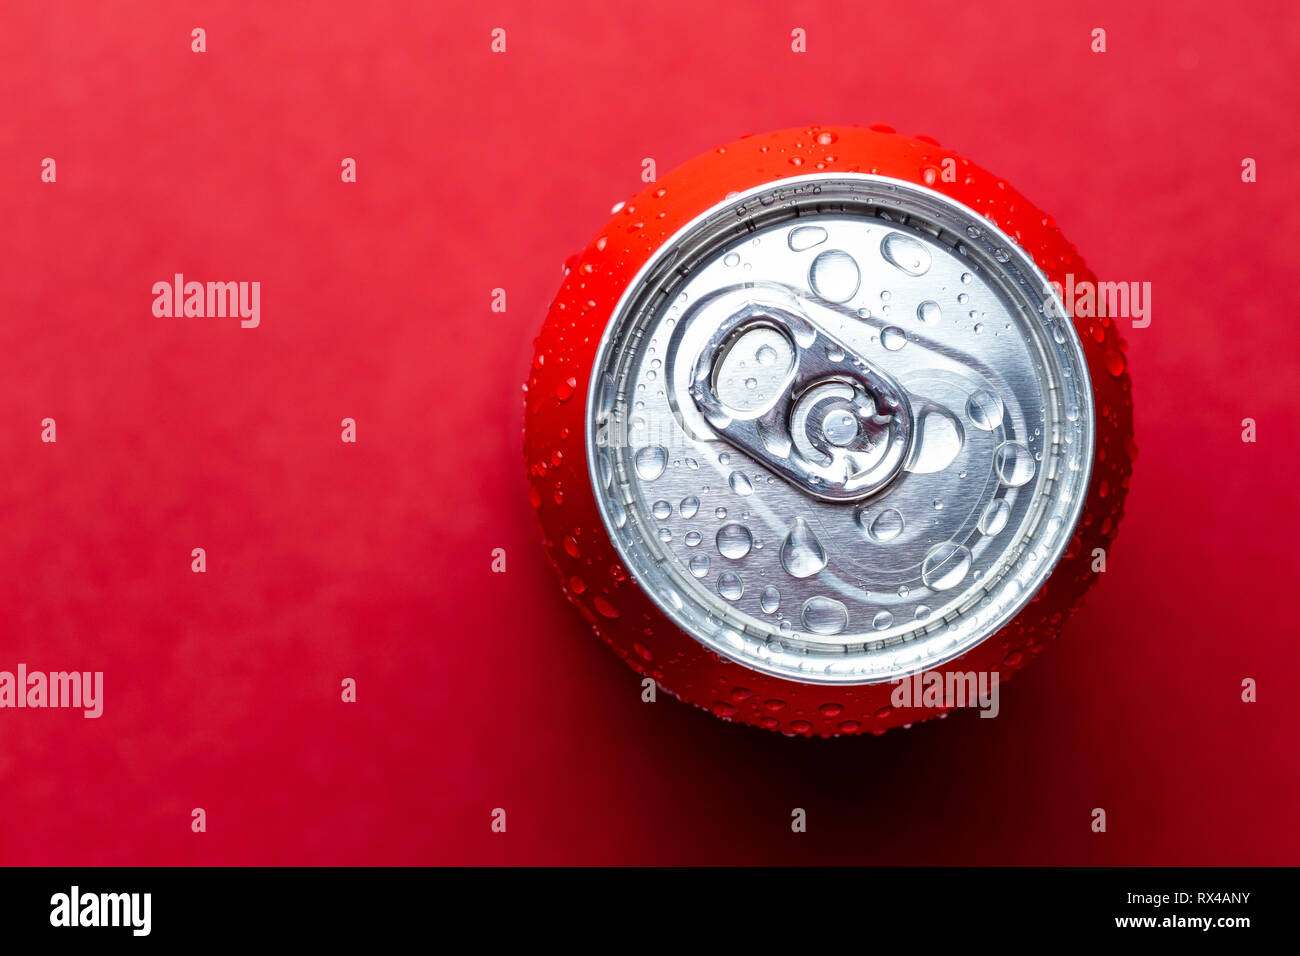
column 839, row 428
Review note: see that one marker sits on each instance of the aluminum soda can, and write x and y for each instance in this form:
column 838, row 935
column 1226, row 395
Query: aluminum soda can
column 810, row 433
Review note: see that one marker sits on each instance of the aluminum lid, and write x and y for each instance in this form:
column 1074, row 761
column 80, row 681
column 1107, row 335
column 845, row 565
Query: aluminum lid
column 840, row 429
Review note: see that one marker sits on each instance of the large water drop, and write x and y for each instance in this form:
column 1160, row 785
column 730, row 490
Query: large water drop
column 734, row 541
column 650, row 462
column 822, row 615
column 802, row 555
column 945, row 566
column 908, row 254
column 834, row 276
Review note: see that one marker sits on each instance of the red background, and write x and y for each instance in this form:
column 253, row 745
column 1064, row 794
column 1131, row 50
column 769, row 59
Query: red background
column 480, row 690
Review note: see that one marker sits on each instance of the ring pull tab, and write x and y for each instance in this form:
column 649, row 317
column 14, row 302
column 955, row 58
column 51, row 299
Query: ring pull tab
column 778, row 387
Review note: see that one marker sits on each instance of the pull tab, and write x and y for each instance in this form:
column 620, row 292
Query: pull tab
column 778, row 387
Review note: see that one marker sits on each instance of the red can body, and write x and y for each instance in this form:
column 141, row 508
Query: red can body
column 588, row 565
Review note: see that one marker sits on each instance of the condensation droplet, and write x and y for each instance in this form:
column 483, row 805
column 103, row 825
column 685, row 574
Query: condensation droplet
column 929, row 312
column 985, row 410
column 822, row 615
column 740, row 484
column 994, row 517
column 730, row 586
column 805, row 237
column 1014, row 464
column 945, row 566
column 802, row 555
column 884, row 527
column 939, row 443
column 908, row 254
column 834, row 276
column 734, row 541
column 650, row 462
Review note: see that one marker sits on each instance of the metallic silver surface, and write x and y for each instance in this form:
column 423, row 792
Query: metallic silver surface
column 840, row 429
column 832, row 422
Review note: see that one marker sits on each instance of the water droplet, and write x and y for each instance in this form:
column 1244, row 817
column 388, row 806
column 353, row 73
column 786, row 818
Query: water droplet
column 839, row 428
column 966, row 278
column 731, row 259
column 805, row 237
column 985, row 410
column 885, row 527
column 922, row 612
column 665, row 535
column 945, row 566
column 802, row 555
column 693, row 539
column 893, row 338
column 929, row 312
column 730, row 586
column 834, row 276
column 1072, row 412
column 939, row 443
column 650, row 462
column 689, row 506
column 661, row 510
column 1014, row 464
column 740, row 484
column 995, row 516
column 734, row 541
column 906, row 253
column 699, row 565
column 719, row 513
column 769, row 600
column 766, row 356
column 821, row 615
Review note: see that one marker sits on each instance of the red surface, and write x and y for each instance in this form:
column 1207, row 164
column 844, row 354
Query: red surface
column 591, row 571
column 481, row 690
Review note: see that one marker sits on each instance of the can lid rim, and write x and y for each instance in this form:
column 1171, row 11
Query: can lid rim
column 732, row 646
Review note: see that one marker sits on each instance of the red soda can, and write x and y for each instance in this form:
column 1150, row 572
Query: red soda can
column 813, row 441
